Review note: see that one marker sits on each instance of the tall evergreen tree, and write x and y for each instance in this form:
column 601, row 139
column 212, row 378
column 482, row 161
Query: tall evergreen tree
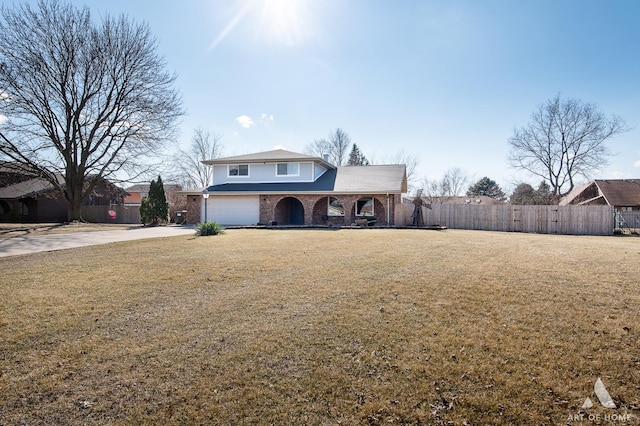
column 356, row 158
column 154, row 207
column 487, row 187
column 524, row 194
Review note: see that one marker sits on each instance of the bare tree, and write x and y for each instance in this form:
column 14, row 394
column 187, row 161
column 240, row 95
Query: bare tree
column 452, row 184
column 454, row 181
column 81, row 100
column 409, row 160
column 335, row 147
column 564, row 139
column 189, row 169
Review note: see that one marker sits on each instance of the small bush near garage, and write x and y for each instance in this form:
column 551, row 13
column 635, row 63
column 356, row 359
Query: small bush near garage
column 208, row 228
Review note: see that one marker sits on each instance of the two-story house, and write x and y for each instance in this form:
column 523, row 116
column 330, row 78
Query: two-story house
column 287, row 188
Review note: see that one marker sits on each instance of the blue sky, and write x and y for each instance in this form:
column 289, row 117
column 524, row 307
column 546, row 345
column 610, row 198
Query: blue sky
column 446, row 81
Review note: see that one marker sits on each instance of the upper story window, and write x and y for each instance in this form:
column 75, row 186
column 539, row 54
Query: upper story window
column 287, row 169
column 238, row 170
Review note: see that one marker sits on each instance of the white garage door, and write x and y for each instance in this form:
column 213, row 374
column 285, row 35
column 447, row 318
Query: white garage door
column 233, row 210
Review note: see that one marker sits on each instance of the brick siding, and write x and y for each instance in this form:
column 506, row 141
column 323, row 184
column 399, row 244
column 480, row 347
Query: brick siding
column 315, row 208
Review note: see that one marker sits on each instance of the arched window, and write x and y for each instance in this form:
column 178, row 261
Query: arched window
column 335, row 207
column 364, row 207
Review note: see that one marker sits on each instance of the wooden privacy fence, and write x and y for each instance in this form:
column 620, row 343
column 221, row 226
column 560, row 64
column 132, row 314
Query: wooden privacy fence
column 569, row 220
column 628, row 220
column 100, row 214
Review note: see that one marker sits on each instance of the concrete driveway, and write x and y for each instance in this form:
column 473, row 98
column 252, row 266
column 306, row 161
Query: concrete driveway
column 33, row 244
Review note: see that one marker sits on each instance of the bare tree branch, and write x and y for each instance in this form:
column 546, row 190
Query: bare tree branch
column 564, row 139
column 452, row 184
column 189, row 169
column 409, row 160
column 336, row 147
column 82, row 99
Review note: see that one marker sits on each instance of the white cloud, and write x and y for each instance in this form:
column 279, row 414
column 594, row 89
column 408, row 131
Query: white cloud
column 245, row 121
column 266, row 118
column 637, row 164
column 279, row 147
column 3, row 119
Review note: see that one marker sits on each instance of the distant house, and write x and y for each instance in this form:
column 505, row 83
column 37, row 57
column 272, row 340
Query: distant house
column 12, row 173
column 622, row 194
column 25, row 197
column 482, row 200
column 136, row 193
column 287, row 188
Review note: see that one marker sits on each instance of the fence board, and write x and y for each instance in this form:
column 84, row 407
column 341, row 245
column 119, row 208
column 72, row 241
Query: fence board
column 100, row 214
column 628, row 220
column 570, row 220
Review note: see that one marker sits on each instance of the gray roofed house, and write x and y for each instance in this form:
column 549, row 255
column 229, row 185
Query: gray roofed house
column 288, row 188
column 29, row 198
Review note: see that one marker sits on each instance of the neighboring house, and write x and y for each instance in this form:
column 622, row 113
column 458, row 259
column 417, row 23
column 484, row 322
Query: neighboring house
column 28, row 198
column 287, row 188
column 622, row 194
column 136, row 193
column 12, row 173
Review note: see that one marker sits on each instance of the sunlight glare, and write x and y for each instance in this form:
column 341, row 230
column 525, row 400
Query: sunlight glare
column 285, row 22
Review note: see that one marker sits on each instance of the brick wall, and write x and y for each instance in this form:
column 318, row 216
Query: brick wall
column 315, row 208
column 276, row 207
column 194, row 202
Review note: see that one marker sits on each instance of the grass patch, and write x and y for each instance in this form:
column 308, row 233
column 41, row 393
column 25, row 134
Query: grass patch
column 321, row 327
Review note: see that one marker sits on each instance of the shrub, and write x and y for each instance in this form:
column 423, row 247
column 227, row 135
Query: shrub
column 208, row 228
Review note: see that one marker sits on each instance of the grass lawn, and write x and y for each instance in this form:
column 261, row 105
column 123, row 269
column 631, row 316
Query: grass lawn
column 323, row 327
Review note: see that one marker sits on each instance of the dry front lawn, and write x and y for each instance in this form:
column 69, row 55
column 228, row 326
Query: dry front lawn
column 323, row 327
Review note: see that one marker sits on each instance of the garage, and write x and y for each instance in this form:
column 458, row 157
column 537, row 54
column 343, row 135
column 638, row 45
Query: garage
column 233, row 210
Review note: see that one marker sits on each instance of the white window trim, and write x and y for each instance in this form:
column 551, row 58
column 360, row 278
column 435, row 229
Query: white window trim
column 229, row 175
column 329, row 205
column 373, row 207
column 288, row 175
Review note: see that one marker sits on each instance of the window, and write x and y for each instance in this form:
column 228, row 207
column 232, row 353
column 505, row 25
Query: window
column 239, row 170
column 335, row 207
column 364, row 207
column 287, row 169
